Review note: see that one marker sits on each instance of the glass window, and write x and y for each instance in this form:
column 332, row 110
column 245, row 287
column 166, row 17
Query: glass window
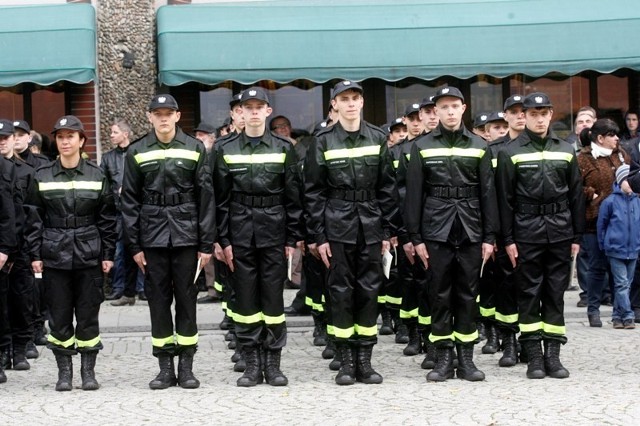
column 486, row 95
column 47, row 106
column 613, row 96
column 214, row 105
column 399, row 95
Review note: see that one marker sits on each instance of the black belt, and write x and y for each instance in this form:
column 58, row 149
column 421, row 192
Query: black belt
column 353, row 194
column 168, row 200
column 257, row 200
column 69, row 222
column 543, row 209
column 453, row 191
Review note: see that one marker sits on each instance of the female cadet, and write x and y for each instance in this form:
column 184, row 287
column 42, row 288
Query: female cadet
column 72, row 243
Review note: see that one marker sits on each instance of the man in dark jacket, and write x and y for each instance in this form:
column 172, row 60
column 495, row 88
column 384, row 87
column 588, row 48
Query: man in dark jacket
column 169, row 222
column 542, row 215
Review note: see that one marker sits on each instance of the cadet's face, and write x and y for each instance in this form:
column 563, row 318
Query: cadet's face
column 237, row 117
column 429, row 117
column 538, row 120
column 7, row 144
column 632, row 122
column 255, row 113
column 496, row 130
column 584, row 120
column 348, row 104
column 515, row 118
column 22, row 140
column 118, row 137
column 397, row 134
column 413, row 123
column 207, row 139
column 69, row 142
column 450, row 110
column 164, row 120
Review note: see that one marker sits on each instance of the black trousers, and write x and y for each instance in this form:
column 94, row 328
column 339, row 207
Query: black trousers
column 391, row 291
column 74, row 292
column 354, row 281
column 5, row 328
column 453, row 277
column 506, row 294
column 258, row 284
column 313, row 277
column 541, row 275
column 410, row 289
column 169, row 276
column 20, row 300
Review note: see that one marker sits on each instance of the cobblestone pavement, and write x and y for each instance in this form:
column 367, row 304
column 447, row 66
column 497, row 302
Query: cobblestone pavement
column 603, row 388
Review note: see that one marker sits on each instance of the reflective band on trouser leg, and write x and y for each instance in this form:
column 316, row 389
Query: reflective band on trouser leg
column 465, row 338
column 330, row 330
column 382, row 299
column 531, row 328
column 424, row 320
column 88, row 343
column 245, row 319
column 315, row 306
column 67, row 343
column 187, row 340
column 273, row 320
column 487, row 312
column 554, row 329
column 366, row 331
column 162, row 342
column 217, row 286
column 409, row 314
column 397, row 301
column 343, row 333
column 507, row 319
column 225, row 308
column 433, row 338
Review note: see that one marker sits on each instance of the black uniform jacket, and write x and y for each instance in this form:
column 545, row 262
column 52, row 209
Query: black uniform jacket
column 258, row 190
column 74, row 223
column 350, row 184
column 25, row 178
column 167, row 194
column 540, row 191
column 449, row 177
column 34, row 160
column 7, row 210
column 401, row 154
column 112, row 164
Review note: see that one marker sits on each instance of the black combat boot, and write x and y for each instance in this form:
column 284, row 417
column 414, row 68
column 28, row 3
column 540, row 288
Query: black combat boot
column 65, row 372
column 272, row 373
column 330, row 350
column 482, row 332
column 20, row 362
column 5, row 358
column 186, row 379
column 387, row 325
column 3, row 377
column 429, row 361
column 253, row 373
column 336, row 362
column 413, row 348
column 241, row 364
column 167, row 375
column 402, row 332
column 87, row 370
column 466, row 369
column 364, row 372
column 509, row 350
column 319, row 331
column 552, row 363
column 535, row 364
column 347, row 372
column 237, row 354
column 225, row 323
column 40, row 335
column 493, row 343
column 443, row 369
column 31, row 350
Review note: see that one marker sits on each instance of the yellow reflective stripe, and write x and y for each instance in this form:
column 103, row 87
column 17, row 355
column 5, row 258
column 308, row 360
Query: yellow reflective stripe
column 330, row 330
column 381, row 299
column 161, row 342
column 187, row 340
column 315, row 306
column 88, row 343
column 478, row 299
column 224, row 307
column 494, row 162
column 507, row 319
column 245, row 319
column 487, row 312
column 366, row 331
column 452, row 152
column 255, row 158
column 408, row 156
column 396, row 164
column 74, row 184
column 268, row 319
column 466, row 338
column 352, row 152
column 424, row 320
column 393, row 300
column 409, row 314
column 544, row 155
column 554, row 329
column 531, row 328
column 343, row 333
column 433, row 338
column 217, row 286
column 163, row 154
column 67, row 343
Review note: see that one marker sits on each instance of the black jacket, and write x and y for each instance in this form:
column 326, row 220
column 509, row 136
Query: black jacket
column 8, row 241
column 34, row 160
column 167, row 194
column 350, row 184
column 112, row 164
column 258, row 192
column 25, row 177
column 74, row 223
column 450, row 185
column 540, row 191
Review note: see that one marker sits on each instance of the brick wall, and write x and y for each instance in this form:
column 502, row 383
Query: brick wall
column 82, row 104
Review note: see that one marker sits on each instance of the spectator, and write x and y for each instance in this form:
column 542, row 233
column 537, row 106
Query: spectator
column 585, row 117
column 629, row 134
column 280, row 125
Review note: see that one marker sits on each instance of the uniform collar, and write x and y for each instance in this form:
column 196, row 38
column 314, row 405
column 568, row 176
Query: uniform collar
column 58, row 169
column 343, row 134
column 264, row 139
column 179, row 137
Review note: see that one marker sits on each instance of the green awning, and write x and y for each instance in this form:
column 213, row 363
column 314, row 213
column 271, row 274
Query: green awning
column 318, row 40
column 49, row 43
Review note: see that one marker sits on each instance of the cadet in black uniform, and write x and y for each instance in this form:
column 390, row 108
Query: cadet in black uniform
column 259, row 214
column 542, row 215
column 71, row 237
column 169, row 222
column 352, row 204
column 450, row 213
